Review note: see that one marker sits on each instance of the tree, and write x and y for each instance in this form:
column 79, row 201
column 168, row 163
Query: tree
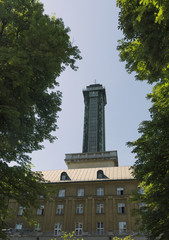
column 145, row 49
column 152, row 165
column 145, row 45
column 35, row 49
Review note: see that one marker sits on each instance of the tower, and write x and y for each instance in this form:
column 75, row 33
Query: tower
column 94, row 118
column 93, row 154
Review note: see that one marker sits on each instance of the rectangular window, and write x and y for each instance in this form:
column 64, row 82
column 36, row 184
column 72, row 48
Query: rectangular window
column 21, row 210
column 40, row 210
column 100, row 228
column 59, row 209
column 100, row 208
column 122, row 227
column 57, row 229
column 80, row 192
column 61, row 193
column 100, row 191
column 37, row 227
column 121, row 207
column 78, row 228
column 142, row 206
column 140, row 190
column 120, row 191
column 18, row 226
column 79, row 209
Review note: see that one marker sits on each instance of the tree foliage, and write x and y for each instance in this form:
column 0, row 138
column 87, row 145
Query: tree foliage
column 35, row 49
column 145, row 48
column 145, row 45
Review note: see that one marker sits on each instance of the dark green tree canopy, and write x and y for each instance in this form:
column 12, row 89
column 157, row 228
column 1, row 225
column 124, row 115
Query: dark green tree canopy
column 145, row 48
column 34, row 51
column 145, row 25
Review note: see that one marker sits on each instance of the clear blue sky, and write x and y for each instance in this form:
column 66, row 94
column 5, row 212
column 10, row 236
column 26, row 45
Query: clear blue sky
column 94, row 29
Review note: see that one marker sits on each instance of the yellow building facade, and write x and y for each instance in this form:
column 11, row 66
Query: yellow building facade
column 91, row 196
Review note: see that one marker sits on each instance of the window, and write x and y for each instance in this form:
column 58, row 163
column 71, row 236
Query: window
column 120, row 191
column 80, row 192
column 59, row 209
column 140, row 190
column 21, row 210
column 57, row 229
column 79, row 208
column 40, row 211
column 100, row 191
column 122, row 227
column 64, row 176
column 18, row 226
column 78, row 228
column 100, row 174
column 61, row 193
column 100, row 208
column 100, row 228
column 142, row 206
column 37, row 227
column 121, row 207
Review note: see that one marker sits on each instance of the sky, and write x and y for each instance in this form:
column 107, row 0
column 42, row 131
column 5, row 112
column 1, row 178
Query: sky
column 94, row 29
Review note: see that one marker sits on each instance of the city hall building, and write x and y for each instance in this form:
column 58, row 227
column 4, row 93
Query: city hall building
column 92, row 195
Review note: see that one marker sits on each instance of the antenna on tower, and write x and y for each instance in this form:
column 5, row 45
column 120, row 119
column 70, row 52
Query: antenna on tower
column 95, row 81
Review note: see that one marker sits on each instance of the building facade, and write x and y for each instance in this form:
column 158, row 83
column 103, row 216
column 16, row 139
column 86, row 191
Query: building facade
column 92, row 195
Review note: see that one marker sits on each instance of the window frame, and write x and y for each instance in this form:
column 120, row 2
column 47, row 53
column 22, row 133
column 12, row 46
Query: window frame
column 40, row 211
column 100, row 228
column 80, row 192
column 21, row 211
column 61, row 193
column 100, row 191
column 121, row 208
column 57, row 229
column 100, row 174
column 120, row 191
column 37, row 227
column 122, row 229
column 78, row 228
column 79, row 208
column 100, row 208
column 60, row 209
column 18, row 226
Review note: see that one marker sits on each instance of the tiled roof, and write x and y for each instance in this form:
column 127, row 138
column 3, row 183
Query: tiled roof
column 89, row 174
